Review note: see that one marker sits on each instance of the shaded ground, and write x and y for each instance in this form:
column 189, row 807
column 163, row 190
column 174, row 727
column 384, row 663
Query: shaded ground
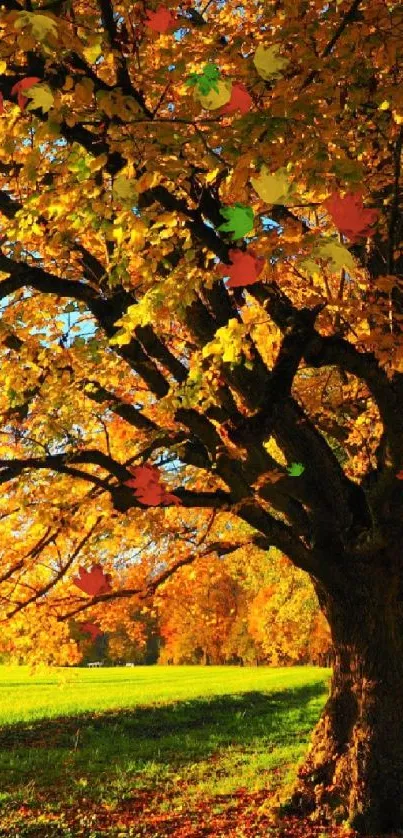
column 202, row 767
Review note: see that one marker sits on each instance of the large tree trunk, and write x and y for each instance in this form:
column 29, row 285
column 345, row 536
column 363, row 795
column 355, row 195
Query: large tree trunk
column 354, row 768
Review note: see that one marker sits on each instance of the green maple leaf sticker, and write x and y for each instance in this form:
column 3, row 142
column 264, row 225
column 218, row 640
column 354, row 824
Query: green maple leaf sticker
column 238, row 220
column 295, row 469
column 205, row 81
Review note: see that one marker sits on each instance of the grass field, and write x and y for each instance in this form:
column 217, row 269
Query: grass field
column 150, row 751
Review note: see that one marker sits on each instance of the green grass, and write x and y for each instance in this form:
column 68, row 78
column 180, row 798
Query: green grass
column 95, row 752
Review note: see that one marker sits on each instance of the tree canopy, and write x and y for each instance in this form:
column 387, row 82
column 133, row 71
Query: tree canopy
column 201, row 311
column 201, row 325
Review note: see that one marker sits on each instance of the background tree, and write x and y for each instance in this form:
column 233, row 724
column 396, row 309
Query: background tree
column 146, row 154
column 215, row 612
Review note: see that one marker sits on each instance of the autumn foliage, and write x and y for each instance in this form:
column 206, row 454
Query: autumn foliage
column 201, row 331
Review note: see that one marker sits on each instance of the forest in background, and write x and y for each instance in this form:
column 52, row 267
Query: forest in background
column 238, row 611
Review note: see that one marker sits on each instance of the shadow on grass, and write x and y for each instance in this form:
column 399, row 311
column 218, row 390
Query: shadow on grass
column 148, row 744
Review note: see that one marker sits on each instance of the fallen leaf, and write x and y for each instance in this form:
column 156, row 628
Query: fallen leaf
column 244, row 270
column 333, row 252
column 273, row 188
column 350, row 216
column 161, row 20
column 205, row 81
column 215, row 98
column 41, row 25
column 238, row 220
column 124, row 189
column 41, row 96
column 148, row 488
column 337, row 254
column 19, row 86
column 268, row 62
column 94, row 581
column 296, row 469
column 240, row 100
column 91, row 629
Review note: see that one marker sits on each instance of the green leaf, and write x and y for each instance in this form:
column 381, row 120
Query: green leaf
column 296, row 469
column 205, row 81
column 238, row 220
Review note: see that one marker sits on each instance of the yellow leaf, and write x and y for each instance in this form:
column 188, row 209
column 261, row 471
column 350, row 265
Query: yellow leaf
column 211, row 176
column 3, row 66
column 118, row 234
column 384, row 106
column 124, row 189
column 269, row 62
column 272, row 188
column 41, row 25
column 93, row 51
column 42, row 97
column 330, row 251
column 214, row 99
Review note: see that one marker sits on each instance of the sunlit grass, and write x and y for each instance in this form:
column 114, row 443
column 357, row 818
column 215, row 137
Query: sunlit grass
column 57, row 691
column 181, row 735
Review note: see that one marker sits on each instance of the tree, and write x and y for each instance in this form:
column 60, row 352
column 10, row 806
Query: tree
column 213, row 612
column 285, row 620
column 149, row 153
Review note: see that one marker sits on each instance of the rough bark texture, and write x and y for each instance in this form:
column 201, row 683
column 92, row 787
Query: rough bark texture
column 354, row 768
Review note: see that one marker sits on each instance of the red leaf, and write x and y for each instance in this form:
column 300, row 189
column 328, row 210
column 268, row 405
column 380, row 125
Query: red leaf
column 142, row 476
column 161, row 20
column 350, row 216
column 91, row 629
column 245, row 268
column 29, row 81
column 400, row 475
column 151, row 495
column 240, row 100
column 148, row 488
column 94, row 581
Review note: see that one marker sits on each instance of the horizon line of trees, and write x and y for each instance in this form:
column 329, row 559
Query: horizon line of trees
column 217, row 612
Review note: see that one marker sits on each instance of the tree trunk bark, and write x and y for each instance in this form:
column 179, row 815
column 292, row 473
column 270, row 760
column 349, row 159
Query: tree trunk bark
column 354, row 767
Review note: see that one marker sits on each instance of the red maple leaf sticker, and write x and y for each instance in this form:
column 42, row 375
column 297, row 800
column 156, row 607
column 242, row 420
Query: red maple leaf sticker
column 350, row 216
column 240, row 100
column 245, row 268
column 94, row 581
column 161, row 20
column 91, row 629
column 143, row 476
column 148, row 488
column 24, row 84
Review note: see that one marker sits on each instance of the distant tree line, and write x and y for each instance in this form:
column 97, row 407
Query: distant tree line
column 219, row 612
